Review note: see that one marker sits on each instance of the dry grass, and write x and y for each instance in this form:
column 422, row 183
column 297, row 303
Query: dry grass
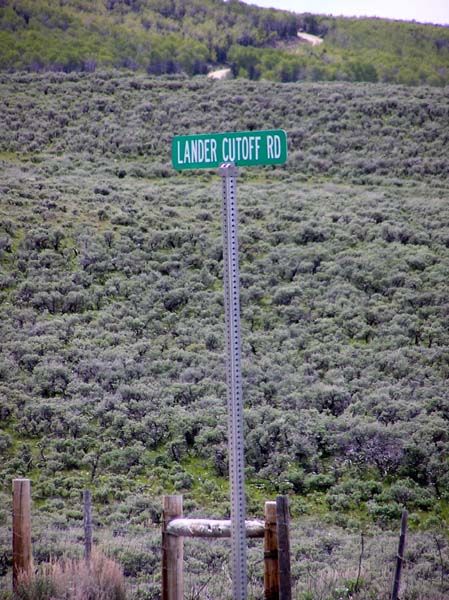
column 72, row 579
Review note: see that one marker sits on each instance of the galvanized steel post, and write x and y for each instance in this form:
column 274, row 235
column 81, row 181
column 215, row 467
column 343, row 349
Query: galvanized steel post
column 231, row 279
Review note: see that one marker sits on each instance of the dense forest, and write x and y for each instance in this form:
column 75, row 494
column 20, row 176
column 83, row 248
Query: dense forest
column 111, row 311
column 173, row 36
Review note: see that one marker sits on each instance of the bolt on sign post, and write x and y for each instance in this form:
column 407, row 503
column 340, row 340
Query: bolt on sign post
column 228, row 151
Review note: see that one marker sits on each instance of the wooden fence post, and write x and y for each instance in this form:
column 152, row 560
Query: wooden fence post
column 271, row 571
column 87, row 505
column 400, row 556
column 22, row 560
column 282, row 518
column 172, row 552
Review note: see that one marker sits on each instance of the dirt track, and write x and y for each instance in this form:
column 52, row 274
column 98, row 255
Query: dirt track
column 310, row 39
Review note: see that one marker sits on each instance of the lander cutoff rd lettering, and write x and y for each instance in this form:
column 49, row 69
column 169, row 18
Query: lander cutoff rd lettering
column 243, row 148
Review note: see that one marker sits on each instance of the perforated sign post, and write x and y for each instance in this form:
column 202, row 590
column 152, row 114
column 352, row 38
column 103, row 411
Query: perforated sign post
column 227, row 151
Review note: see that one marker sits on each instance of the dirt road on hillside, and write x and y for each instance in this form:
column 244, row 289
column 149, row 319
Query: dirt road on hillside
column 310, row 39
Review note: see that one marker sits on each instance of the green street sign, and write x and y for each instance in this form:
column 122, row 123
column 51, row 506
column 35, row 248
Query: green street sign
column 243, row 148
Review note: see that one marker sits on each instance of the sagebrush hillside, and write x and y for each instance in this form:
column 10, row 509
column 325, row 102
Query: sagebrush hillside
column 166, row 37
column 112, row 358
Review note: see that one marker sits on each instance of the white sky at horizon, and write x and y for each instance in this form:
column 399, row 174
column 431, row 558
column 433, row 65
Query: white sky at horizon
column 423, row 11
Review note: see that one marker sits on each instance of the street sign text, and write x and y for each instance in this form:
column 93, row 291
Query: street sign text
column 243, row 148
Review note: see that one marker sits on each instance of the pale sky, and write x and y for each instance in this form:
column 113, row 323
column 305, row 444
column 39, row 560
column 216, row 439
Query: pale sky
column 423, row 11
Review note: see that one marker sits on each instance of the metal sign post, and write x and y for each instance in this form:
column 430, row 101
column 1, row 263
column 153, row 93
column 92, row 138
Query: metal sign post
column 226, row 150
column 231, row 279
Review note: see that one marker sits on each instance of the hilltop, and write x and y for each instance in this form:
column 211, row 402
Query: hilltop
column 167, row 36
column 111, row 310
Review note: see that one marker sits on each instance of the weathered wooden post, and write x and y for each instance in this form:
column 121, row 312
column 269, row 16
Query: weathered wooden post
column 87, row 505
column 22, row 560
column 271, row 571
column 283, row 519
column 400, row 556
column 175, row 528
column 172, row 552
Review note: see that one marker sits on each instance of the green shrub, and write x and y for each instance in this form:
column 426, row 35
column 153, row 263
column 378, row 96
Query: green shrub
column 385, row 514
